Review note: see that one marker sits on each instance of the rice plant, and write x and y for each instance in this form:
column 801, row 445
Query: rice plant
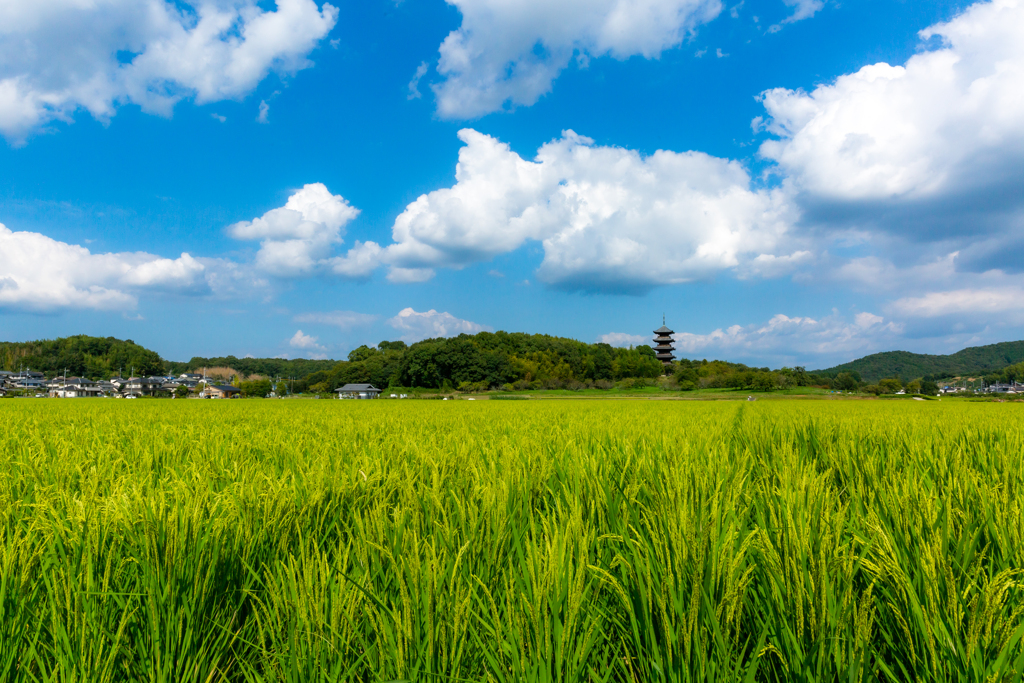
column 511, row 541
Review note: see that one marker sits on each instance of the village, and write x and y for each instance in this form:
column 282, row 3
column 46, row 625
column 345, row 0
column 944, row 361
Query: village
column 187, row 385
column 29, row 383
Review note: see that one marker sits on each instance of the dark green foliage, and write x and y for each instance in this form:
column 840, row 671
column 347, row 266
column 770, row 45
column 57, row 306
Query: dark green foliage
column 487, row 359
column 267, row 367
column 719, row 374
column 259, row 388
column 845, row 381
column 93, row 357
column 975, row 360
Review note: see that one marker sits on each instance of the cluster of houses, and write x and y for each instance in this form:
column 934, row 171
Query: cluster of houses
column 998, row 388
column 36, row 383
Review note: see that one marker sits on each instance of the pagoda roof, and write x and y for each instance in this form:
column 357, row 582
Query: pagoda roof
column 663, row 330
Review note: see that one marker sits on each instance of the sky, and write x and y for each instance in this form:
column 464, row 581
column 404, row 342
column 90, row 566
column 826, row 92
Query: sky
column 787, row 182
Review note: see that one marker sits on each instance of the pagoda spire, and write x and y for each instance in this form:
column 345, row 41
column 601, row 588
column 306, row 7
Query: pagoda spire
column 663, row 345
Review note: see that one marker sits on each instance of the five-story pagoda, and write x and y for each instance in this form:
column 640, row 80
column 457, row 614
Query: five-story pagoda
column 663, row 346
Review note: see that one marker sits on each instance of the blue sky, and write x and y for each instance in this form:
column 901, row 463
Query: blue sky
column 788, row 181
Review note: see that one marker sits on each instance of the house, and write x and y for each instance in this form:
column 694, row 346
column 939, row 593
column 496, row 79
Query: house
column 358, row 391
column 1000, row 388
column 220, row 391
column 142, row 386
column 75, row 387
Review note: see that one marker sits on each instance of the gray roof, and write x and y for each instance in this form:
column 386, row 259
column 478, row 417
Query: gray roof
column 358, row 387
column 663, row 330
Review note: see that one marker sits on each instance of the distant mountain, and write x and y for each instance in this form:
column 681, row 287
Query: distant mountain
column 975, row 360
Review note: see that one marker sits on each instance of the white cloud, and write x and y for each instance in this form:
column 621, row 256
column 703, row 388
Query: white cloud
column 360, row 261
column 950, row 120
column 511, row 52
column 770, row 265
column 298, row 238
column 608, row 218
column 409, row 275
column 62, row 55
column 795, row 337
column 417, row 326
column 264, row 115
column 804, row 9
column 969, row 302
column 344, row 319
column 623, row 339
column 414, row 84
column 304, row 342
column 39, row 273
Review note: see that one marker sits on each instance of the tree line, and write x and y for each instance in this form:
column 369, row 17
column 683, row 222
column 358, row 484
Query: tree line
column 519, row 361
column 487, row 360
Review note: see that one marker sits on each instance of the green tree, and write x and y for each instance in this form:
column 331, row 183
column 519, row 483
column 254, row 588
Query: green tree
column 362, row 353
column 259, row 388
column 890, row 385
column 844, row 381
column 765, row 381
column 181, row 391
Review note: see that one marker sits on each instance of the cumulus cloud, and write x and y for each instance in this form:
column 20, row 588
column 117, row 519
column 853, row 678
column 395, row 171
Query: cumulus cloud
column 304, row 342
column 796, row 337
column 608, row 218
column 623, row 339
column 343, row 319
column 360, row 261
column 417, row 326
column 38, row 273
column 511, row 52
column 62, row 55
column 298, row 238
column 970, row 302
column 931, row 149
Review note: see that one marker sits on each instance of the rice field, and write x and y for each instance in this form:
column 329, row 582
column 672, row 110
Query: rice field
column 510, row 541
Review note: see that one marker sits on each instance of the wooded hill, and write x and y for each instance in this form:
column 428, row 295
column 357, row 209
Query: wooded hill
column 246, row 367
column 972, row 361
column 105, row 357
column 82, row 356
column 514, row 360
